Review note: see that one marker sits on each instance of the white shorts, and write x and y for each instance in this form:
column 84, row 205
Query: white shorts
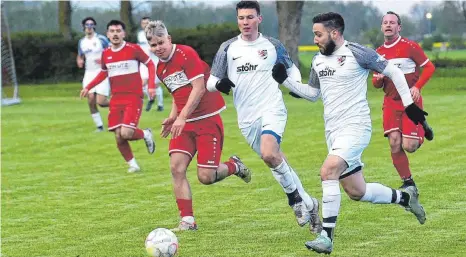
column 102, row 89
column 273, row 123
column 348, row 143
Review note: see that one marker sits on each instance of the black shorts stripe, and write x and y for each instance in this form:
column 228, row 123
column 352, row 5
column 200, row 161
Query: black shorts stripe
column 351, row 172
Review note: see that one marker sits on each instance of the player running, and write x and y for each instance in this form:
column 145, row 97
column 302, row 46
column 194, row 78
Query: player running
column 244, row 64
column 90, row 50
column 403, row 134
column 339, row 75
column 194, row 122
column 120, row 63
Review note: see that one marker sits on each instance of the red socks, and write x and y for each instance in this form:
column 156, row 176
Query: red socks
column 401, row 163
column 138, row 134
column 125, row 150
column 185, row 206
column 231, row 167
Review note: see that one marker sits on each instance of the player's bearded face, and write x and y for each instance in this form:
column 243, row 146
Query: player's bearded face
column 116, row 34
column 329, row 47
column 161, row 46
column 323, row 39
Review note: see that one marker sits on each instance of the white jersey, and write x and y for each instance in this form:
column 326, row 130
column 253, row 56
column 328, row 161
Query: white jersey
column 342, row 78
column 142, row 42
column 249, row 66
column 92, row 49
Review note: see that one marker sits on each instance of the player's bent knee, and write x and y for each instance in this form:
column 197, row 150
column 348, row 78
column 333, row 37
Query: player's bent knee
column 206, row 176
column 127, row 133
column 329, row 172
column 271, row 159
column 354, row 194
column 178, row 171
column 411, row 148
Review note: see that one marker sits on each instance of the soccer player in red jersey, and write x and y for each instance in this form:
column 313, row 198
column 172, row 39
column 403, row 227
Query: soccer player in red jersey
column 194, row 122
column 403, row 134
column 120, row 63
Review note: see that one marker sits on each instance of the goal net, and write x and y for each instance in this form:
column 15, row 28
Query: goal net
column 10, row 93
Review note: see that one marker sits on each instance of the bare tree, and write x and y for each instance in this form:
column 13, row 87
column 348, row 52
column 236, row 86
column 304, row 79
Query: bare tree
column 463, row 7
column 64, row 18
column 126, row 16
column 289, row 26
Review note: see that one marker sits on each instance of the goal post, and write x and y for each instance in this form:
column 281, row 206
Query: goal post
column 10, row 89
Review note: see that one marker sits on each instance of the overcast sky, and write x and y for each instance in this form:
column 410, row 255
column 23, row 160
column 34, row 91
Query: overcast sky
column 398, row 6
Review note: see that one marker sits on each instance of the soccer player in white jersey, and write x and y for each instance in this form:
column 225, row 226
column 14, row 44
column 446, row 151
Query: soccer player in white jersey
column 142, row 42
column 90, row 49
column 244, row 64
column 339, row 76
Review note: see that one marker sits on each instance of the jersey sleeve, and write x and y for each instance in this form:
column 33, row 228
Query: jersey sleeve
column 104, row 41
column 140, row 55
column 368, row 58
column 417, row 54
column 282, row 54
column 80, row 50
column 313, row 77
column 103, row 66
column 220, row 63
column 192, row 65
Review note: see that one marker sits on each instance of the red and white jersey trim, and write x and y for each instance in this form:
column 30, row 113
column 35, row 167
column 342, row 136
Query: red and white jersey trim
column 392, row 44
column 207, row 115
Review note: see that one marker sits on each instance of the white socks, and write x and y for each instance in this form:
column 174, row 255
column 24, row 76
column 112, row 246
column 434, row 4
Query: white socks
column 159, row 95
column 282, row 174
column 331, row 199
column 97, row 119
column 304, row 195
column 378, row 193
column 133, row 163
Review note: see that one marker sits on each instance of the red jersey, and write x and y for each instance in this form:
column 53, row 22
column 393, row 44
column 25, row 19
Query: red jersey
column 122, row 66
column 183, row 66
column 409, row 57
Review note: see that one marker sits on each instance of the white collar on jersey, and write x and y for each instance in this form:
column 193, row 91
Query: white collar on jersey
column 170, row 56
column 259, row 36
column 393, row 44
column 119, row 48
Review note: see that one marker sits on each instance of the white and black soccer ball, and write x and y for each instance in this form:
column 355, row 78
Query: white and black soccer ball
column 161, row 242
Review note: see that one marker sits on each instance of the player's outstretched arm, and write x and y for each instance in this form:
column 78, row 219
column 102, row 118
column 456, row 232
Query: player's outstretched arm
column 96, row 81
column 309, row 92
column 168, row 122
column 222, row 85
column 414, row 113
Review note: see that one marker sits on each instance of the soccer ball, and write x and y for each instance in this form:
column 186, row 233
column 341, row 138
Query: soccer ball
column 161, row 242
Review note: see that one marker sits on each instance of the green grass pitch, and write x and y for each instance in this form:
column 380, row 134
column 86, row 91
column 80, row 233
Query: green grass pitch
column 65, row 190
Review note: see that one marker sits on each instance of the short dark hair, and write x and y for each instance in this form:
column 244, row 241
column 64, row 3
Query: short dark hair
column 330, row 20
column 248, row 5
column 145, row 18
column 83, row 22
column 396, row 14
column 116, row 23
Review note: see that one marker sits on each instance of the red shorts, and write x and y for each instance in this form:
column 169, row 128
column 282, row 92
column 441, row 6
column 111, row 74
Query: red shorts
column 204, row 137
column 124, row 110
column 395, row 119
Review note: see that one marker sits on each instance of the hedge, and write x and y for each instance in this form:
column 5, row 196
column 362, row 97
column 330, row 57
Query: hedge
column 449, row 63
column 48, row 57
